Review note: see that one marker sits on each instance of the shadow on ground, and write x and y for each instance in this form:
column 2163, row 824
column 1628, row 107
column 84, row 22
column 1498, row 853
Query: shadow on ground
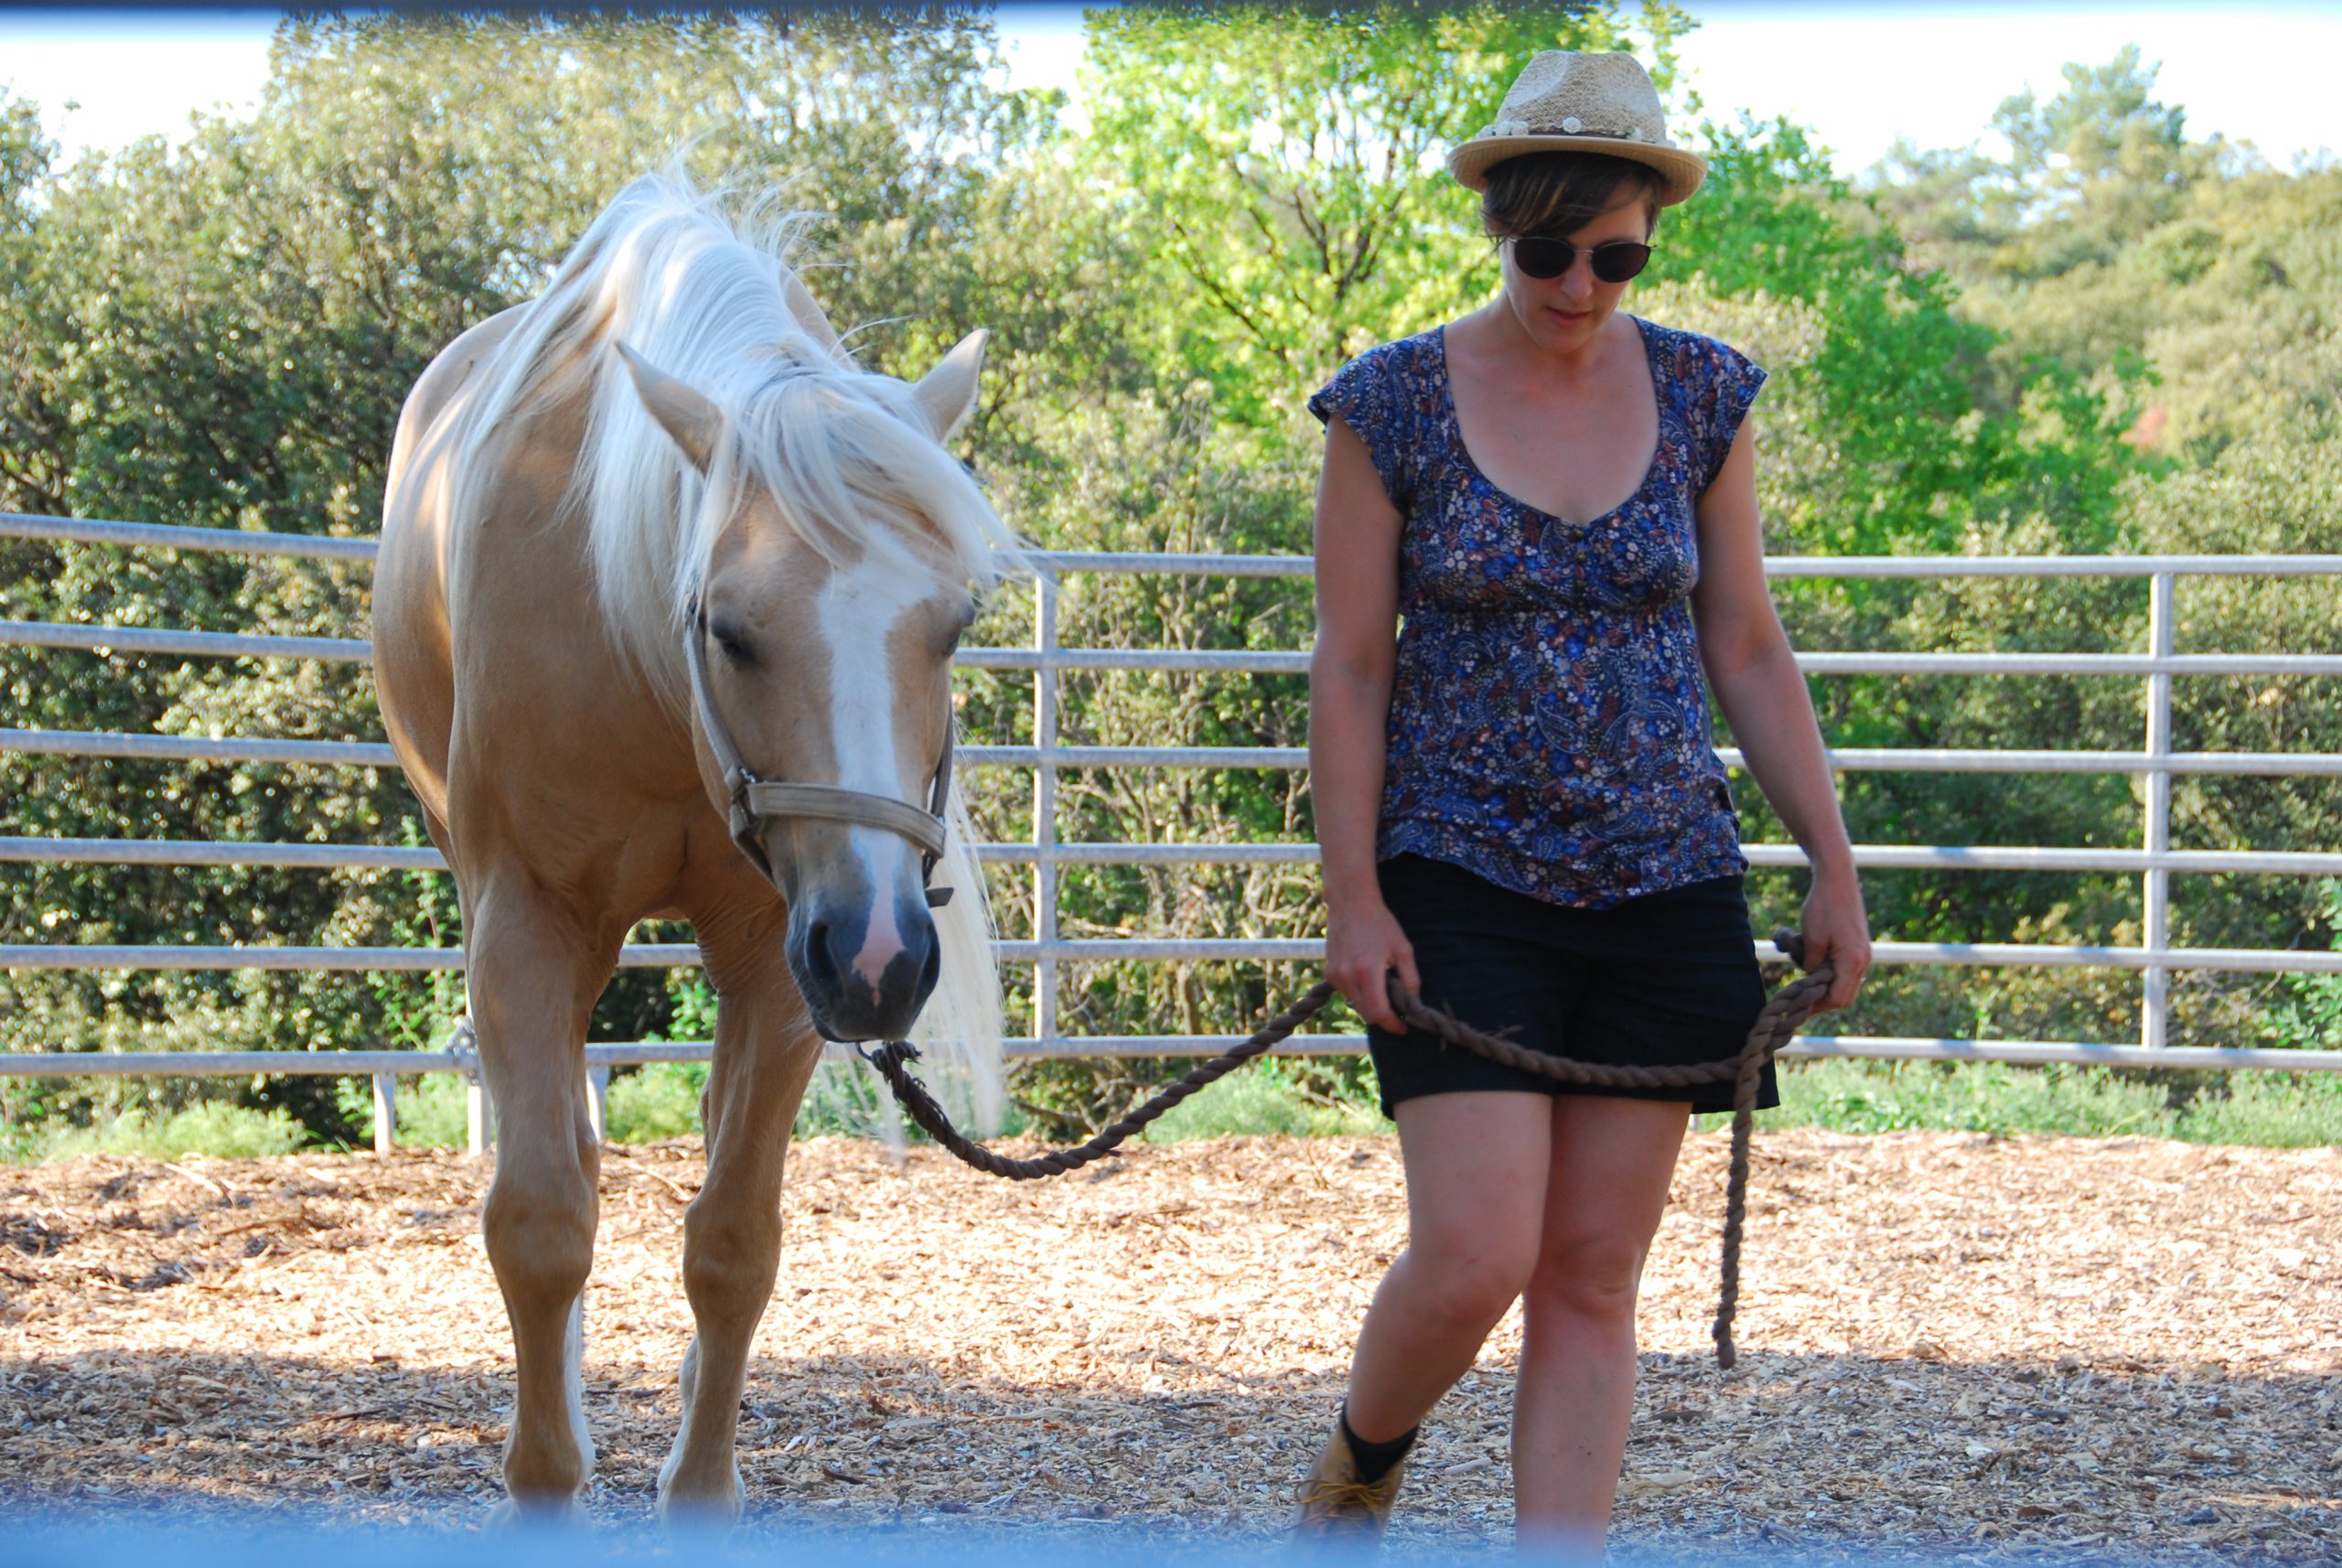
column 1886, row 1459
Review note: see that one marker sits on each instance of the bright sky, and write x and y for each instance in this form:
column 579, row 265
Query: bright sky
column 1858, row 73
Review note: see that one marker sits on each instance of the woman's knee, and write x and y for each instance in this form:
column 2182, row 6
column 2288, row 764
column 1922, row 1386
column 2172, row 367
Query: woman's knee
column 1592, row 1279
column 1467, row 1288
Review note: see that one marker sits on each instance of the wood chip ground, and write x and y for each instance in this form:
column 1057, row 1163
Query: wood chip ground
column 2002, row 1349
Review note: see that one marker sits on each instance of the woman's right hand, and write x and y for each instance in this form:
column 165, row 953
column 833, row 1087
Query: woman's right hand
column 1364, row 946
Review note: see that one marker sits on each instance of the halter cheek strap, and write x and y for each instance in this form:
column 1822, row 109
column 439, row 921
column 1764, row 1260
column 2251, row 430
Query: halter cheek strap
column 753, row 799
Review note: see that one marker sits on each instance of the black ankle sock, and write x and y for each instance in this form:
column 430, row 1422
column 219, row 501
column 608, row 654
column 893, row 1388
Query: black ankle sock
column 1375, row 1460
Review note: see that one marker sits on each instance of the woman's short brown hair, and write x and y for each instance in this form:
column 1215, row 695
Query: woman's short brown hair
column 1559, row 193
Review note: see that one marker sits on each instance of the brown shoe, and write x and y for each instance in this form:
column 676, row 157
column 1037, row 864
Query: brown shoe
column 1336, row 1505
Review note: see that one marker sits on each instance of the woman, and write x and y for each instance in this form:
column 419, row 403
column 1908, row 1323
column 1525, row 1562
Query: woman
column 1522, row 816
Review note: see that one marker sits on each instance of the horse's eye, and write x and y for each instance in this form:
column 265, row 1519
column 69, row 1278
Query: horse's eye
column 735, row 646
column 955, row 624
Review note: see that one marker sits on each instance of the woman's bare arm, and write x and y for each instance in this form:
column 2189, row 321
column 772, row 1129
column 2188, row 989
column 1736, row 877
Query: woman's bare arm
column 1754, row 676
column 1350, row 709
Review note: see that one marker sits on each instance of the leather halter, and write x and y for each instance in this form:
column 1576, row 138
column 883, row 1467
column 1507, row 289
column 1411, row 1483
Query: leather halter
column 753, row 799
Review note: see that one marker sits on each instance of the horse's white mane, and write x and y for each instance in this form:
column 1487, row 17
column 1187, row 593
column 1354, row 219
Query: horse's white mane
column 706, row 298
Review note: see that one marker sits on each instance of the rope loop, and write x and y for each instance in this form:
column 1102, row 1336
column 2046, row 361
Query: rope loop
column 1788, row 1009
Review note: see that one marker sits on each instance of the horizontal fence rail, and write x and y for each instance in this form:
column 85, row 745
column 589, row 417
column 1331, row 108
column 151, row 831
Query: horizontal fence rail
column 640, row 1053
column 90, row 638
column 1069, row 758
column 1112, row 950
column 171, row 536
column 197, row 748
column 1868, row 856
column 244, row 541
column 2155, row 861
column 85, row 637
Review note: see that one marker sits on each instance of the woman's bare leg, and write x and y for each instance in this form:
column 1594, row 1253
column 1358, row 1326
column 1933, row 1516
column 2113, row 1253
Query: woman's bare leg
column 1604, row 1191
column 1477, row 1168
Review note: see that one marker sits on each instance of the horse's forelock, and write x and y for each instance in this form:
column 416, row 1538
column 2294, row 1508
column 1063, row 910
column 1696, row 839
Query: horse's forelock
column 842, row 453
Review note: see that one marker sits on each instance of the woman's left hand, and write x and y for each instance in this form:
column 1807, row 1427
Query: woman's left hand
column 1838, row 931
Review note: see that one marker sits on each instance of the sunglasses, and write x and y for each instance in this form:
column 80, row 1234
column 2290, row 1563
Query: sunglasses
column 1539, row 256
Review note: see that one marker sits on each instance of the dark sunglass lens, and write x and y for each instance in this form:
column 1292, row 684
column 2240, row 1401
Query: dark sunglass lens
column 1539, row 257
column 1619, row 260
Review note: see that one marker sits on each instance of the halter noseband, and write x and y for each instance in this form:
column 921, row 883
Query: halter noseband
column 755, row 798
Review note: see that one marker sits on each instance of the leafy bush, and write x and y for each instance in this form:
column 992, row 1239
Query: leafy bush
column 2272, row 1110
column 214, row 1128
column 657, row 1101
column 661, row 1099
column 434, row 1110
column 2307, row 1011
column 1273, row 1095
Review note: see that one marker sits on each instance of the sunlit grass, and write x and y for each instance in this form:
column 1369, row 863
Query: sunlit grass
column 2274, row 1110
column 214, row 1128
column 1267, row 1097
column 1272, row 1097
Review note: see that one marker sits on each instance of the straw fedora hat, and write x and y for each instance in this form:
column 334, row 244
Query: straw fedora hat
column 1566, row 103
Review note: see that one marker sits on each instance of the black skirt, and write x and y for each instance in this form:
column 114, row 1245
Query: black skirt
column 1668, row 979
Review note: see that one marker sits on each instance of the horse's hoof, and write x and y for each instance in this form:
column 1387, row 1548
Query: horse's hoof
column 536, row 1513
column 692, row 1510
column 699, row 1515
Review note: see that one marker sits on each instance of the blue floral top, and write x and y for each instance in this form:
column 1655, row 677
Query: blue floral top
column 1549, row 718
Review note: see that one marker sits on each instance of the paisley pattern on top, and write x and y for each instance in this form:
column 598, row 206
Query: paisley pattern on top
column 1549, row 718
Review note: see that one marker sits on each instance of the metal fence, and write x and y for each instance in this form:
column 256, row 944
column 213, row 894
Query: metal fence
column 2154, row 958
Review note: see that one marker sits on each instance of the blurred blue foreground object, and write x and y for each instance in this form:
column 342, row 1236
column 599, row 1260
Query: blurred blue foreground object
column 207, row 1540
column 204, row 1542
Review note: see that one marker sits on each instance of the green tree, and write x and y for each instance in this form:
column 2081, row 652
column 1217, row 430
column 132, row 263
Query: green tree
column 29, row 422
column 1281, row 167
column 2109, row 245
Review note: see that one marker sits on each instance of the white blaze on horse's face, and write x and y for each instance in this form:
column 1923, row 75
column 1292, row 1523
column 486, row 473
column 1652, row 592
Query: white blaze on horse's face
column 832, row 666
column 840, row 673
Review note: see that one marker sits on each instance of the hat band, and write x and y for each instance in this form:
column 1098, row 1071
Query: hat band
column 1572, row 126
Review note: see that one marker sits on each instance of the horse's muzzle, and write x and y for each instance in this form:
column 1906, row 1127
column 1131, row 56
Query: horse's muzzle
column 863, row 979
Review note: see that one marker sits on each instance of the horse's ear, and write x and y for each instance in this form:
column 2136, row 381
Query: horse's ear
column 693, row 423
column 948, row 392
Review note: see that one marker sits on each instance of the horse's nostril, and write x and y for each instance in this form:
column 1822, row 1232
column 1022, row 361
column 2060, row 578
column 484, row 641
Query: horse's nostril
column 819, row 960
column 932, row 968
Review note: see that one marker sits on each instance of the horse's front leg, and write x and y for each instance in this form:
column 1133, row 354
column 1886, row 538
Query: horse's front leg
column 766, row 1050
column 533, row 979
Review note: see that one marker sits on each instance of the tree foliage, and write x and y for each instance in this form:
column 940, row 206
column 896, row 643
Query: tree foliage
column 1278, row 168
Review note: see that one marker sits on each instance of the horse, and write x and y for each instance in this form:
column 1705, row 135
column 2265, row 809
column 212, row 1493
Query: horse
column 664, row 619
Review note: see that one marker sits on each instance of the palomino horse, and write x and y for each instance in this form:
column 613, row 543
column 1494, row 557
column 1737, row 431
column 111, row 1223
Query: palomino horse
column 664, row 627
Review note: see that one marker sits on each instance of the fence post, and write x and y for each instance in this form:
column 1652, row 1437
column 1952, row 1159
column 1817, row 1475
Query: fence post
column 479, row 1116
column 386, row 1113
column 2155, row 1016
column 1044, row 808
column 597, row 1101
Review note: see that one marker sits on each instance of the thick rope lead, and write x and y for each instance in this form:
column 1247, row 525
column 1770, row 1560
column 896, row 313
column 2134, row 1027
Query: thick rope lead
column 921, row 1108
column 1790, row 1007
